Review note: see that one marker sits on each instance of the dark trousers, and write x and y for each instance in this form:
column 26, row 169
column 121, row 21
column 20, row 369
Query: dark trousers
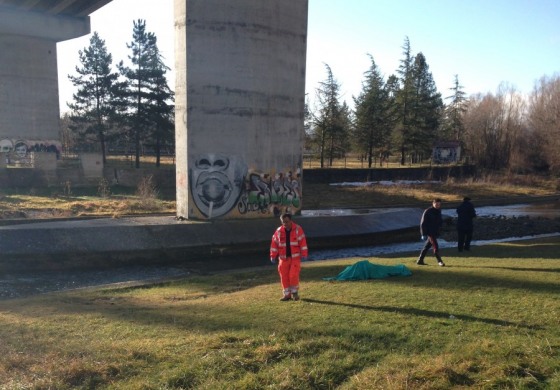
column 431, row 242
column 464, row 237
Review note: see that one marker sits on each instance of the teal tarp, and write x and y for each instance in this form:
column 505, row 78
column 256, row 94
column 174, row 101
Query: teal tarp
column 365, row 270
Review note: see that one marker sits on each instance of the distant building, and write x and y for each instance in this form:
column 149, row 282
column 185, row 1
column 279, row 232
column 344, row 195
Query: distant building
column 446, row 152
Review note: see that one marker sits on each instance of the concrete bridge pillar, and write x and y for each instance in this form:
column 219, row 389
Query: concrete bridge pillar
column 29, row 111
column 240, row 91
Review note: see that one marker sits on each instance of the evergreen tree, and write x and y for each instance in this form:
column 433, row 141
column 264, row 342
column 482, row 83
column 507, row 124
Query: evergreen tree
column 331, row 122
column 426, row 109
column 161, row 111
column 93, row 105
column 454, row 127
column 372, row 116
column 146, row 94
column 403, row 100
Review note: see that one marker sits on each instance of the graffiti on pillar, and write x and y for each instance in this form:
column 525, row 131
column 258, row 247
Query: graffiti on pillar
column 216, row 183
column 223, row 185
column 271, row 193
column 18, row 151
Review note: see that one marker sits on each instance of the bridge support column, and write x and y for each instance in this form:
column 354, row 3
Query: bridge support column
column 29, row 110
column 240, row 94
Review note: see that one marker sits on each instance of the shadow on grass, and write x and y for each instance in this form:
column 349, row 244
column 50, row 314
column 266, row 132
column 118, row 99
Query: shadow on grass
column 444, row 278
column 528, row 248
column 424, row 313
column 553, row 270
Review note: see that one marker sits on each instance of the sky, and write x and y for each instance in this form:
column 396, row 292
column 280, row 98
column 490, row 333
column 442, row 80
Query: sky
column 484, row 42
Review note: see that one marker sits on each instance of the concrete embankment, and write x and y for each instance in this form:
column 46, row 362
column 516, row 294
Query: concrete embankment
column 109, row 242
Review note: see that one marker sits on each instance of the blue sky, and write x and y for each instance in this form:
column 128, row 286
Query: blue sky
column 484, row 42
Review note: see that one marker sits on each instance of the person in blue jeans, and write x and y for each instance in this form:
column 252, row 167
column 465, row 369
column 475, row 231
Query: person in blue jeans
column 430, row 226
column 465, row 215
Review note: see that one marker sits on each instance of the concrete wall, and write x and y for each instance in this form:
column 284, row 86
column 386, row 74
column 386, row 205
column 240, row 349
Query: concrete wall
column 163, row 178
column 240, row 94
column 336, row 175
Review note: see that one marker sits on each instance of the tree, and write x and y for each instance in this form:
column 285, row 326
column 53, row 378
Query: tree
column 93, row 105
column 161, row 111
column 67, row 134
column 372, row 115
column 493, row 123
column 425, row 108
column 544, row 122
column 331, row 122
column 146, row 93
column 403, row 100
column 454, row 112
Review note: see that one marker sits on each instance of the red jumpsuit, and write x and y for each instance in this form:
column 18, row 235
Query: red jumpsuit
column 289, row 267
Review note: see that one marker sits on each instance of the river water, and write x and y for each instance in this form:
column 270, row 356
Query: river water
column 544, row 210
column 533, row 210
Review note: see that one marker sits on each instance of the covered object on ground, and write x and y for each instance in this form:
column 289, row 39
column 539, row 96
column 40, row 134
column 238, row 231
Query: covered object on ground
column 363, row 270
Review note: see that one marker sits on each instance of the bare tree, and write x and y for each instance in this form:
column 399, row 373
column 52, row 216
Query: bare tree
column 492, row 125
column 543, row 119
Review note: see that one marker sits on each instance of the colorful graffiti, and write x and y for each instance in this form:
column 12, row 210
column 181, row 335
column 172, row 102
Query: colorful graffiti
column 221, row 185
column 271, row 195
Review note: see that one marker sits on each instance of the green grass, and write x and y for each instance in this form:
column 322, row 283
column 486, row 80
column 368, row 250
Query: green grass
column 490, row 321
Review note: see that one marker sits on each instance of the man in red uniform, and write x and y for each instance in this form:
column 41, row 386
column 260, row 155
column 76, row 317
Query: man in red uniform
column 290, row 247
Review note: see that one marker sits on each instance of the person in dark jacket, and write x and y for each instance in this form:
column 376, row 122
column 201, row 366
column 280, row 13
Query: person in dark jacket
column 465, row 215
column 430, row 225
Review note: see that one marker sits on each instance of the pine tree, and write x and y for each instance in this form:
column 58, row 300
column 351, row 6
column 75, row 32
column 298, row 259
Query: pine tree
column 146, row 93
column 403, row 100
column 426, row 108
column 454, row 111
column 331, row 122
column 372, row 115
column 161, row 110
column 93, row 105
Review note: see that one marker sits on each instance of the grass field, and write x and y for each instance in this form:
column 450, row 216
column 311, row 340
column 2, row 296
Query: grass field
column 489, row 321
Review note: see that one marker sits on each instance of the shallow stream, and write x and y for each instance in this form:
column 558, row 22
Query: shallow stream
column 545, row 210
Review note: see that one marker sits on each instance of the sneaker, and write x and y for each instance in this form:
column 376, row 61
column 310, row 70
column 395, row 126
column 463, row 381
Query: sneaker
column 441, row 264
column 286, row 298
column 420, row 263
column 295, row 296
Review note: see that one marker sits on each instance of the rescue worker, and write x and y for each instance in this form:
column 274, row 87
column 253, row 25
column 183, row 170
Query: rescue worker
column 430, row 225
column 289, row 247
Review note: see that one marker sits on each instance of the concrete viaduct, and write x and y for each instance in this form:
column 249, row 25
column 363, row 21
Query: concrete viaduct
column 240, row 87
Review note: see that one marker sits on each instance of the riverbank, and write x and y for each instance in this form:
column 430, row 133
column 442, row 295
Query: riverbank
column 23, row 284
column 501, row 227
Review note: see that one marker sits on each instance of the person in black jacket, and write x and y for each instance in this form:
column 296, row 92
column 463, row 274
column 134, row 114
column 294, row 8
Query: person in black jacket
column 430, row 225
column 465, row 215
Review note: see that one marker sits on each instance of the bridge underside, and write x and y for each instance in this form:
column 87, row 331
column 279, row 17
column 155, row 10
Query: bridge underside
column 29, row 32
column 73, row 8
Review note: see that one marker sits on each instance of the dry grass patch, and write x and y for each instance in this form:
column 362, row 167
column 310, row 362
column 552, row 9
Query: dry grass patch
column 486, row 189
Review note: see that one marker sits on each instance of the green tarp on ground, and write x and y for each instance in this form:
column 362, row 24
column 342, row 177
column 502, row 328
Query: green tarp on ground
column 363, row 270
